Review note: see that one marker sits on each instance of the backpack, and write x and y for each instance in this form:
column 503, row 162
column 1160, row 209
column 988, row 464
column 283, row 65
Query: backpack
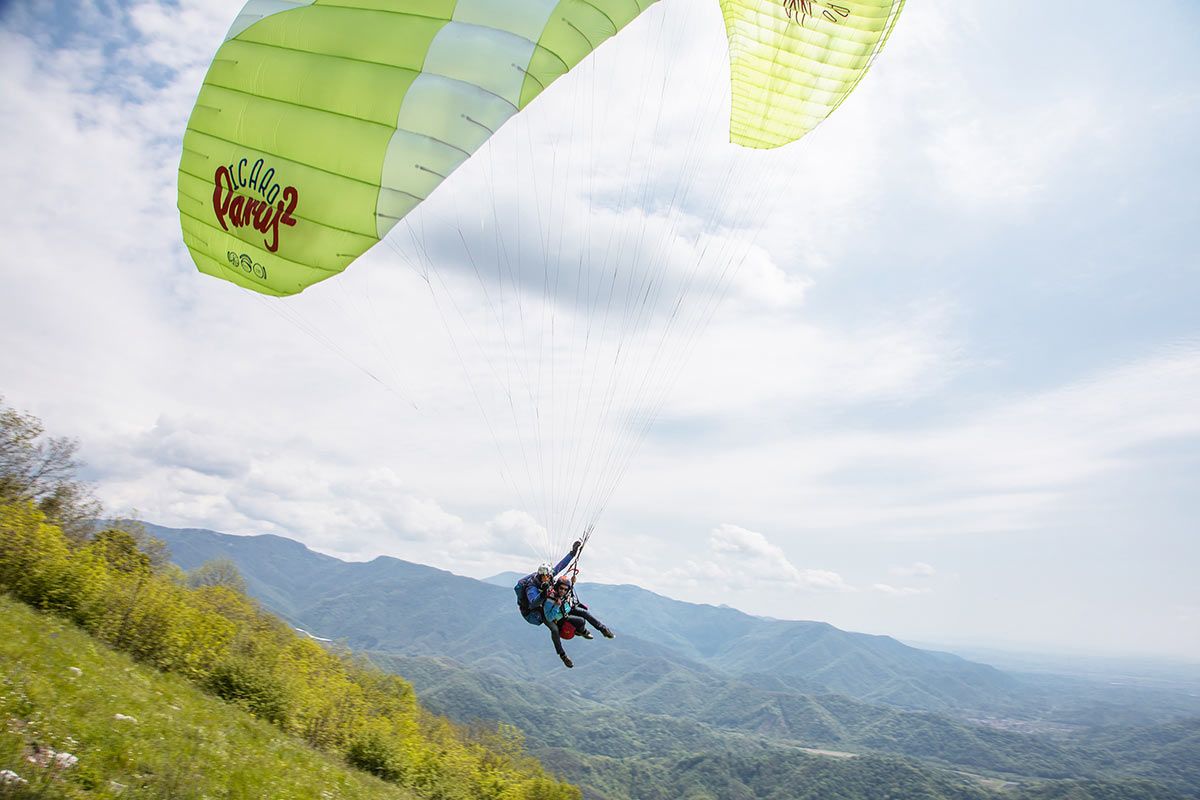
column 523, row 595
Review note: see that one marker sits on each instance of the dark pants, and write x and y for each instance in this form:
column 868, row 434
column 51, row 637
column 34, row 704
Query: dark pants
column 578, row 618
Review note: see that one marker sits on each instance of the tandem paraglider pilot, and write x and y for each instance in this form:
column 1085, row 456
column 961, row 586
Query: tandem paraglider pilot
column 547, row 597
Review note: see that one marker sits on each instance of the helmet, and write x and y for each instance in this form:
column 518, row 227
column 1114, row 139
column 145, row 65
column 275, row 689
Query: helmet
column 543, row 571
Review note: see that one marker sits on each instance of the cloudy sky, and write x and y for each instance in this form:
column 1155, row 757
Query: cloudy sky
column 951, row 395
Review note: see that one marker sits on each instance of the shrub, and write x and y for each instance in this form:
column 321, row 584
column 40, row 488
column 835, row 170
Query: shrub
column 248, row 684
column 372, row 753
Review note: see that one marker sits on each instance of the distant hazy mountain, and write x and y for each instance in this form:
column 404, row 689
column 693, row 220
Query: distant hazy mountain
column 682, row 678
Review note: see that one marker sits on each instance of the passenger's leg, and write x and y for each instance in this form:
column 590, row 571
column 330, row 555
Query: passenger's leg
column 558, row 648
column 580, row 625
column 597, row 624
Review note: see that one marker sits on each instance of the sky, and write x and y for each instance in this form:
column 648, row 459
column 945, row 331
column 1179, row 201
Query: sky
column 950, row 395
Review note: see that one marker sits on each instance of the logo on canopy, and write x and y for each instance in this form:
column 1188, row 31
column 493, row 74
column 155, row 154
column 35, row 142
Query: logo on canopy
column 246, row 194
column 247, row 265
column 802, row 10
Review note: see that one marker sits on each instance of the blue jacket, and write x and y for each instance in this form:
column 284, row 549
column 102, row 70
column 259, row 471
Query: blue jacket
column 553, row 611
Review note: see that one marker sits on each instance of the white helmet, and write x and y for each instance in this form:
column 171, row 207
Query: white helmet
column 543, row 569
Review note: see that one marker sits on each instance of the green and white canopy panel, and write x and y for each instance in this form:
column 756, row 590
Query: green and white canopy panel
column 322, row 123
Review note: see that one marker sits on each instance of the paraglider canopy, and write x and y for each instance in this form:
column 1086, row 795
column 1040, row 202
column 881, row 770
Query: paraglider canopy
column 322, row 124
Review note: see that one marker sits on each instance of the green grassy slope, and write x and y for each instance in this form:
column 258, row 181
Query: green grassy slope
column 183, row 744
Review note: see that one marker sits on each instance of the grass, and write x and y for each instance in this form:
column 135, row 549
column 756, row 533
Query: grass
column 180, row 744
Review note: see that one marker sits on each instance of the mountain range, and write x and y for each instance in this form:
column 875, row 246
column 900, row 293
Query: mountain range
column 399, row 607
column 683, row 678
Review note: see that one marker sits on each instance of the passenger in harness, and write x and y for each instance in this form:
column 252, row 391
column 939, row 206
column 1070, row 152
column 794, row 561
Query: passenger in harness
column 567, row 617
column 531, row 590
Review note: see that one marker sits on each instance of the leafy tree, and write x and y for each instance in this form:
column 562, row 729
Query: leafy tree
column 218, row 572
column 121, row 551
column 43, row 470
column 154, row 549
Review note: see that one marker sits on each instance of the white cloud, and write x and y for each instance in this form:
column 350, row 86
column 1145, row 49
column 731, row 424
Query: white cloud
column 200, row 472
column 1016, row 464
column 916, row 569
column 517, row 533
column 1010, row 159
column 177, row 443
column 741, row 557
column 754, row 363
column 898, row 591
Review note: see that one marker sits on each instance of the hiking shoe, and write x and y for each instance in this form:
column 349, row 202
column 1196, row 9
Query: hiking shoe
column 584, row 633
column 566, row 661
column 608, row 634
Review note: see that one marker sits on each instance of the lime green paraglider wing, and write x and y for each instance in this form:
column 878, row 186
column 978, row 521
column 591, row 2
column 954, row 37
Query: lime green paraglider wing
column 322, row 123
column 790, row 70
